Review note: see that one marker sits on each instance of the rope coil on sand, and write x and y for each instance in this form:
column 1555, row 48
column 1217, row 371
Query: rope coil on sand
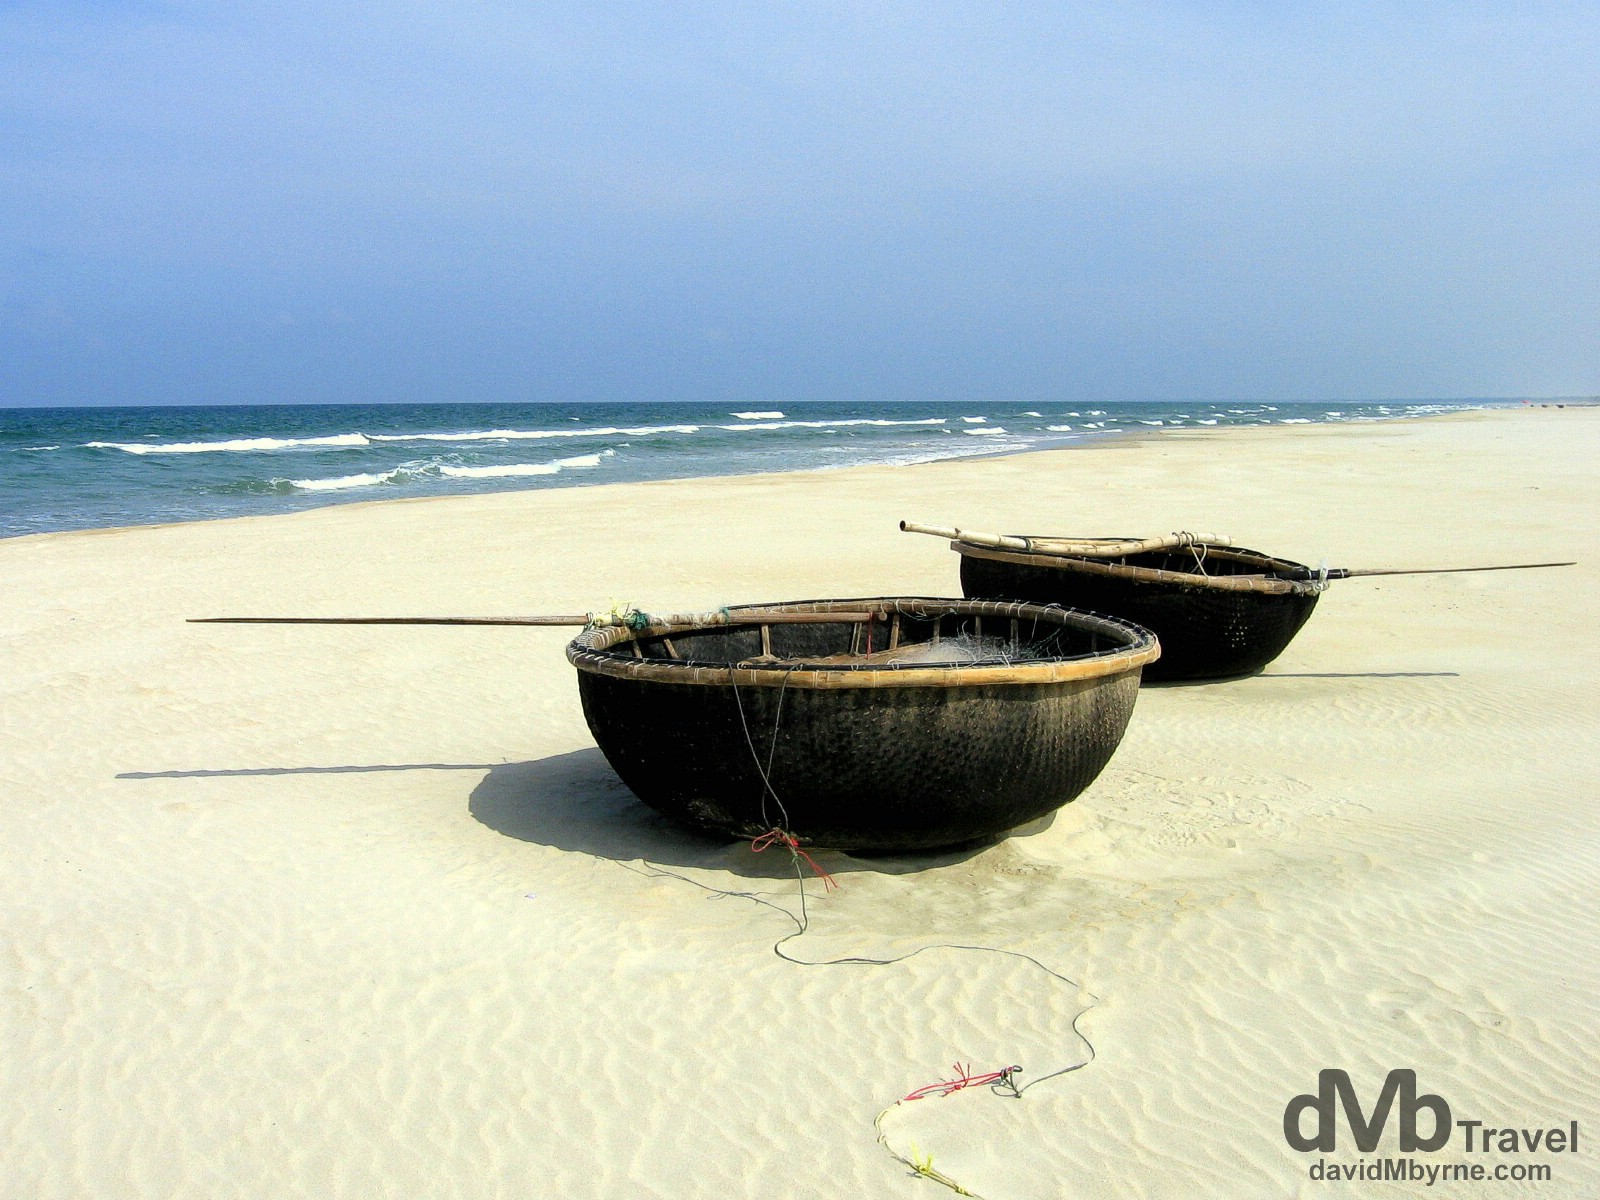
column 1001, row 1082
column 965, row 1079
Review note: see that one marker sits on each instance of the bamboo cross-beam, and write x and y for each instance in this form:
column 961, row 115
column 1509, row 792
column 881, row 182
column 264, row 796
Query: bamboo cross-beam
column 1088, row 547
column 1113, row 548
column 647, row 620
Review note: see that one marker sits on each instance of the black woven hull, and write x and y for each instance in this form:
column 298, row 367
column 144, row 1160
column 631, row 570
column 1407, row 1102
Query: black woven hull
column 901, row 724
column 1205, row 632
column 885, row 769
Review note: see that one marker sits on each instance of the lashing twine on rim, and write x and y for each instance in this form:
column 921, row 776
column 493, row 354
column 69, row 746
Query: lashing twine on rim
column 621, row 613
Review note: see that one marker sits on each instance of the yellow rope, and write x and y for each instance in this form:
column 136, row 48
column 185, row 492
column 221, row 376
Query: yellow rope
column 922, row 1164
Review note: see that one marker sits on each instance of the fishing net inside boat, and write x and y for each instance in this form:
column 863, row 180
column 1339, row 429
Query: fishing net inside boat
column 969, row 648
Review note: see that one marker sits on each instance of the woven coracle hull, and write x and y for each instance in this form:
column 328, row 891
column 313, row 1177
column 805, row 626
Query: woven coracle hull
column 1206, row 632
column 877, row 766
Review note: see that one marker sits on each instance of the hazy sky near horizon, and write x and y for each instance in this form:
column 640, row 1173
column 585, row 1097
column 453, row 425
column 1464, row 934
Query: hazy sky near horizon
column 351, row 202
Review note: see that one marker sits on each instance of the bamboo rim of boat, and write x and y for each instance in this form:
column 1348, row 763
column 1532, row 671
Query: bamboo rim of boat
column 1264, row 584
column 594, row 650
column 1090, row 547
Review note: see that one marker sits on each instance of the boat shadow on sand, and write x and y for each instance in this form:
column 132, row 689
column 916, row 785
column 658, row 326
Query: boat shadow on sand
column 575, row 802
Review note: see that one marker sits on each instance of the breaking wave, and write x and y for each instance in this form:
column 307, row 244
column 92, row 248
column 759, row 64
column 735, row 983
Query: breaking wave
column 235, row 445
column 436, row 470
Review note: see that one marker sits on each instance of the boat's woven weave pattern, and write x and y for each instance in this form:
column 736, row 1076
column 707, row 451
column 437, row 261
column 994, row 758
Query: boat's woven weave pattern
column 859, row 769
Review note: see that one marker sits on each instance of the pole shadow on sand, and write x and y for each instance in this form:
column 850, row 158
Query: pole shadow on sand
column 575, row 802
column 245, row 772
column 1232, row 680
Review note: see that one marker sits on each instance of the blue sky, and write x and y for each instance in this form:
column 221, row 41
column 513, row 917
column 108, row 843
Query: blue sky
column 357, row 202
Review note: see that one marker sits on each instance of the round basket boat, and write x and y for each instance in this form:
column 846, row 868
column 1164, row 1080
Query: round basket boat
column 1219, row 611
column 886, row 724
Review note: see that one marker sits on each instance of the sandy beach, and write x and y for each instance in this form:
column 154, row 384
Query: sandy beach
column 361, row 912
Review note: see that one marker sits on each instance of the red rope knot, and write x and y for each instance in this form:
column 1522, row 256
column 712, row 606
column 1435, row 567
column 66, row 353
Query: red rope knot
column 775, row 837
column 965, row 1079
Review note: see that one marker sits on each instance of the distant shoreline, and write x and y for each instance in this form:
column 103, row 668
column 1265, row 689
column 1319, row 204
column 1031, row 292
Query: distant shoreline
column 63, row 469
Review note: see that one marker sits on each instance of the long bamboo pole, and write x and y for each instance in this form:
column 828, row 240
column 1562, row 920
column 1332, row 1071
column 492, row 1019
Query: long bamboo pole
column 1357, row 572
column 1087, row 547
column 1311, row 575
column 666, row 621
column 1111, row 548
column 559, row 620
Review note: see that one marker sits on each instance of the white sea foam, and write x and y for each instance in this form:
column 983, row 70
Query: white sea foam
column 427, row 469
column 975, row 420
column 759, row 416
column 993, row 429
column 506, row 472
column 344, row 482
column 912, row 457
column 1152, row 422
column 512, row 470
column 523, row 435
column 1031, row 413
column 233, row 445
column 827, row 424
column 482, row 435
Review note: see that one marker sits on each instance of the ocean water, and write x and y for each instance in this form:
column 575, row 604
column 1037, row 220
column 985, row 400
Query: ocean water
column 84, row 468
